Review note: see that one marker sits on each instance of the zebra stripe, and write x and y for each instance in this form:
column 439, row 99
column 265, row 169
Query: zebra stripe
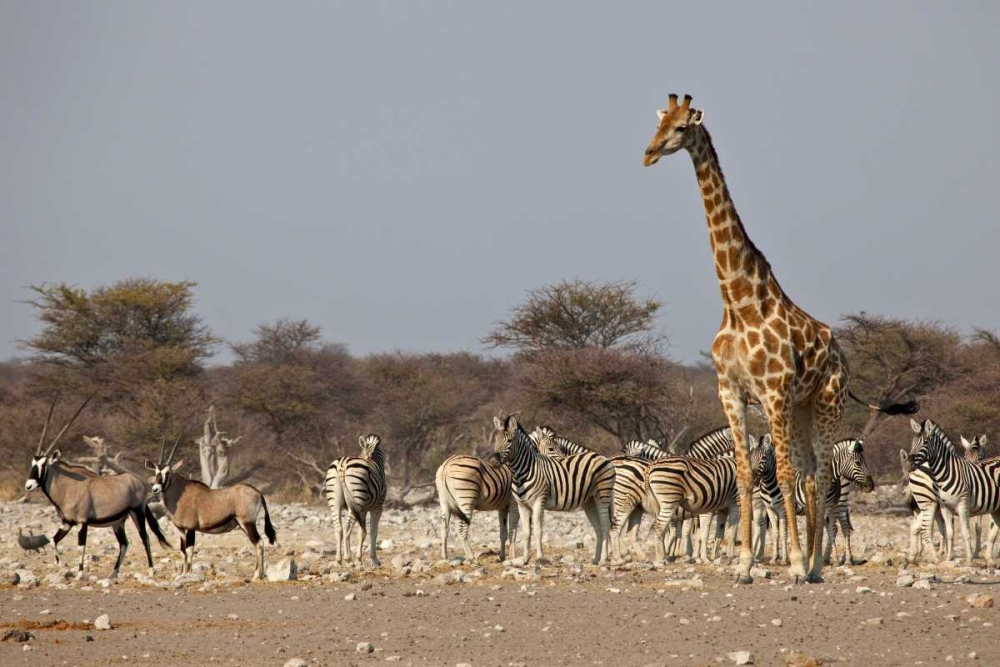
column 464, row 484
column 551, row 444
column 560, row 484
column 698, row 487
column 964, row 488
column 357, row 485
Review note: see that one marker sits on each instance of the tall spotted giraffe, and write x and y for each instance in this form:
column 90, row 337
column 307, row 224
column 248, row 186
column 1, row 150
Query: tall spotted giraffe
column 768, row 350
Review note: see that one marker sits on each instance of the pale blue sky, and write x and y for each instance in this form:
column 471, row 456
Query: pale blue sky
column 401, row 173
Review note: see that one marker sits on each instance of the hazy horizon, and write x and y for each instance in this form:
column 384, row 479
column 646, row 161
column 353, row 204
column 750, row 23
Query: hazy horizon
column 401, row 174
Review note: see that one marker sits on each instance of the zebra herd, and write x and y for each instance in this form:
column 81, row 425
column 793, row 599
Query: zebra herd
column 686, row 494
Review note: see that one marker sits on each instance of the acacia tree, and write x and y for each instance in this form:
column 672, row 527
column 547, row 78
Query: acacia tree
column 893, row 360
column 586, row 352
column 289, row 379
column 136, row 343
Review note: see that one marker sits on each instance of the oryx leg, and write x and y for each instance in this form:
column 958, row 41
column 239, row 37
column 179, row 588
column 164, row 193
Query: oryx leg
column 81, row 542
column 189, row 553
column 57, row 538
column 122, row 548
column 138, row 518
column 250, row 529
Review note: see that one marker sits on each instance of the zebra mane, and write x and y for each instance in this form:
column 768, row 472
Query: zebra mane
column 936, row 438
column 848, row 443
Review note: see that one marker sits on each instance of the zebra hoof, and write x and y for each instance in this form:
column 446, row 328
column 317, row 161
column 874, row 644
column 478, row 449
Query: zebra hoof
column 743, row 580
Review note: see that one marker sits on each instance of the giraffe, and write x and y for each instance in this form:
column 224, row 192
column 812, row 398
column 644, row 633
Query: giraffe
column 767, row 350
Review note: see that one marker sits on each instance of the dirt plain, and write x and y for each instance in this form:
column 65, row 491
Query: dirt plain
column 419, row 610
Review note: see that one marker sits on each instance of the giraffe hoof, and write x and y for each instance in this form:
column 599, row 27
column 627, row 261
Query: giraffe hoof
column 743, row 580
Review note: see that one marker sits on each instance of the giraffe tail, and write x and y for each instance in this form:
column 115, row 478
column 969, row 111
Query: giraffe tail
column 906, row 408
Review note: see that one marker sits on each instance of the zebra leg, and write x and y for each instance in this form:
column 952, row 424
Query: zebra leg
column 464, row 523
column 994, row 529
column 963, row 522
column 445, row 520
column 915, row 539
column 536, row 515
column 927, row 517
column 81, row 542
column 360, row 517
column 831, row 534
column 760, row 520
column 663, row 518
column 375, row 515
column 634, row 525
column 592, row 511
column 847, row 528
column 781, row 545
column 528, row 520
column 513, row 519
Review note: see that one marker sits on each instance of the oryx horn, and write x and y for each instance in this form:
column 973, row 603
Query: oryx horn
column 38, row 450
column 68, row 424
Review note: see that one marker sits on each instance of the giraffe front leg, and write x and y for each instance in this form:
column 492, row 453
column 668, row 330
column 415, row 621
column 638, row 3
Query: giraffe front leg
column 827, row 412
column 735, row 406
column 778, row 418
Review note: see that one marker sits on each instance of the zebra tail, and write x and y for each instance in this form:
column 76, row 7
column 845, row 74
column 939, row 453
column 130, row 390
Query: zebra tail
column 155, row 527
column 272, row 536
column 451, row 501
column 905, row 408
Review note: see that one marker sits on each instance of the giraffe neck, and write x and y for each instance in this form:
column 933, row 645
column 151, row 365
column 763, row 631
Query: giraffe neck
column 743, row 271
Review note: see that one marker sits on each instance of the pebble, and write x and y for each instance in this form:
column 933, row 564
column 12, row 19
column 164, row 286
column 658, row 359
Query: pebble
column 365, row 647
column 284, row 570
column 906, row 581
column 102, row 622
column 922, row 584
column 26, row 579
column 741, row 657
column 296, row 662
column 350, row 597
column 980, row 600
column 874, row 621
column 776, row 622
column 862, row 589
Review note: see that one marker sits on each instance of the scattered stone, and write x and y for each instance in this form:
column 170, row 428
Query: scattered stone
column 9, row 579
column 296, row 662
column 906, row 581
column 498, row 628
column 188, row 578
column 15, row 635
column 760, row 573
column 399, row 561
column 614, row 590
column 393, row 658
column 776, row 622
column 365, row 647
column 232, row 617
column 802, row 660
column 351, row 597
column 26, row 579
column 102, row 622
column 283, row 570
column 386, row 545
column 741, row 657
column 862, row 589
column 922, row 584
column 980, row 600
column 873, row 621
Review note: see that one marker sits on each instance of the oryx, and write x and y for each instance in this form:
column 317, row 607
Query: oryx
column 83, row 498
column 194, row 507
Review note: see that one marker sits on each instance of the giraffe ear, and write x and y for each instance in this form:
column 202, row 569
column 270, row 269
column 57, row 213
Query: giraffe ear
column 697, row 117
column 915, row 425
column 660, row 113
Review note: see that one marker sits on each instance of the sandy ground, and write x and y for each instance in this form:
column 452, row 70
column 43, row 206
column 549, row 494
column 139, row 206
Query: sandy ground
column 417, row 610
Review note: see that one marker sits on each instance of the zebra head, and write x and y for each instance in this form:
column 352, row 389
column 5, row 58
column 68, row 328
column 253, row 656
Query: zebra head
column 369, row 445
column 929, row 444
column 759, row 456
column 543, row 437
column 854, row 468
column 975, row 451
column 504, row 432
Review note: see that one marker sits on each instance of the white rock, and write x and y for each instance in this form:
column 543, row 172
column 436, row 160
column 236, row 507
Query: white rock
column 386, row 545
column 296, row 662
column 102, row 622
column 906, row 581
column 741, row 657
column 350, row 597
column 26, row 579
column 284, row 570
column 365, row 647
column 776, row 622
column 923, row 584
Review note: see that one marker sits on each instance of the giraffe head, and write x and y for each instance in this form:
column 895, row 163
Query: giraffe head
column 676, row 129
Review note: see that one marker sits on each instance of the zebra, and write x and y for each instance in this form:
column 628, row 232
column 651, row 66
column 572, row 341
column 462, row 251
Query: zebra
column 698, row 487
column 357, row 485
column 560, row 484
column 555, row 444
column 964, row 488
column 923, row 496
column 466, row 483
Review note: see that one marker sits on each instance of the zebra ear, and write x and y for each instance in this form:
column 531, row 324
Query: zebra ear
column 753, row 441
column 361, row 440
column 916, row 426
column 497, row 424
column 904, row 456
column 511, row 424
column 766, row 440
column 965, row 442
column 859, row 446
column 982, row 440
